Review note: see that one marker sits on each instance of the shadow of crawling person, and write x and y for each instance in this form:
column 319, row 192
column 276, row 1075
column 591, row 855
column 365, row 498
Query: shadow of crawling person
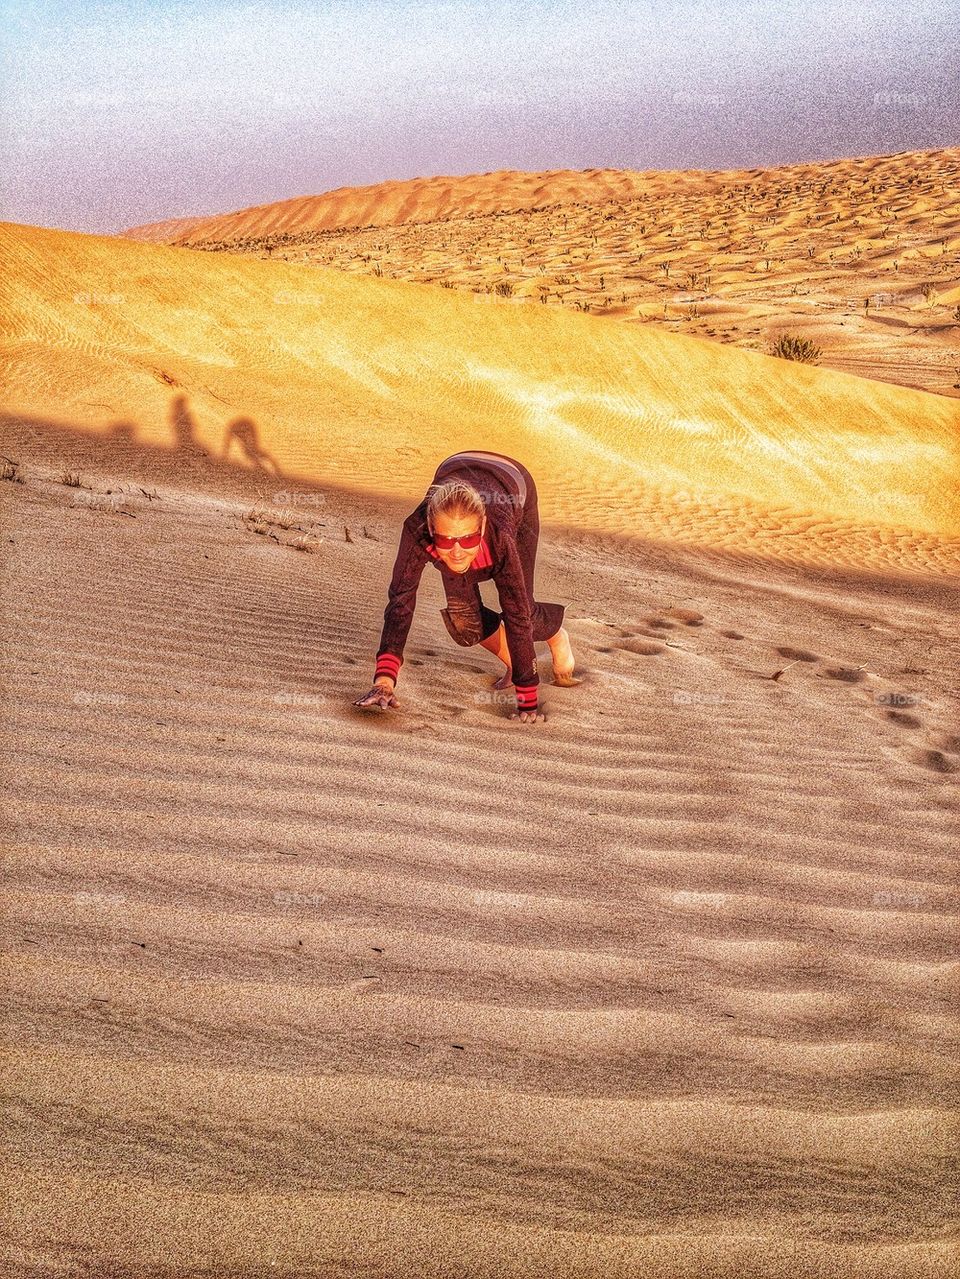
column 243, row 431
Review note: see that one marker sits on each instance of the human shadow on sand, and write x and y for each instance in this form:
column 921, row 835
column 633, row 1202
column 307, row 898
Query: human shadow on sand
column 117, row 448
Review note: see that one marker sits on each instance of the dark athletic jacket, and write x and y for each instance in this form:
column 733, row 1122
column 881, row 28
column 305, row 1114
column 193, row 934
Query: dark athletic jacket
column 503, row 517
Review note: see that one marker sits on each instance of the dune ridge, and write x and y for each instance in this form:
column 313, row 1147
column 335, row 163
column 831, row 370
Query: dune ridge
column 431, row 199
column 426, row 199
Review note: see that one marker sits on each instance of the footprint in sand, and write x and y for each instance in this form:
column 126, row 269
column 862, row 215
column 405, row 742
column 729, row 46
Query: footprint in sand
column 623, row 639
column 668, row 619
column 688, row 616
column 731, row 635
column 640, row 642
column 937, row 761
column 943, row 756
column 642, row 648
column 943, row 753
column 797, row 654
column 905, row 718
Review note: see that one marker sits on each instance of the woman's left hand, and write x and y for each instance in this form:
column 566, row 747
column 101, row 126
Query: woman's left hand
column 528, row 717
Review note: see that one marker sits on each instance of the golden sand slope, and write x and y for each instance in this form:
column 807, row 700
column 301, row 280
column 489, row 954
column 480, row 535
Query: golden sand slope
column 861, row 257
column 661, row 986
column 632, row 431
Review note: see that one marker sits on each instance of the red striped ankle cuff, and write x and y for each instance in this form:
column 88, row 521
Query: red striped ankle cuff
column 388, row 664
column 526, row 696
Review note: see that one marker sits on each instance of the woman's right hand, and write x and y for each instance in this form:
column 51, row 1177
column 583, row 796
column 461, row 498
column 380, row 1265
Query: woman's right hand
column 380, row 695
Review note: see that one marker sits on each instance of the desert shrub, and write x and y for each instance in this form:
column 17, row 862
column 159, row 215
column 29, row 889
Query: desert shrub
column 789, row 346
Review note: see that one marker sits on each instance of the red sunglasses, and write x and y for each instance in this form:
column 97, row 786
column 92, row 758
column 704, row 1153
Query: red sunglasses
column 468, row 541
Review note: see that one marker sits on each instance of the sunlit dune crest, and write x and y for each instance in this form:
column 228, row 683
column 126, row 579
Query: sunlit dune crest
column 418, row 200
column 858, row 258
column 632, row 430
column 430, row 199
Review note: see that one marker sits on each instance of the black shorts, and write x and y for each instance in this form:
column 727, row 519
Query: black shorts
column 468, row 619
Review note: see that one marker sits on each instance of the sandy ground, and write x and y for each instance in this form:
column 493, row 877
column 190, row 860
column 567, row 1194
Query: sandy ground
column 664, row 985
column 860, row 257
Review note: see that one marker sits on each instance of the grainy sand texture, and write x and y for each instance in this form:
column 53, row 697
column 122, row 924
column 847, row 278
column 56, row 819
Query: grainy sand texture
column 663, row 986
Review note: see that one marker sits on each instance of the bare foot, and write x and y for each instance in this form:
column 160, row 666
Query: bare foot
column 563, row 660
column 505, row 680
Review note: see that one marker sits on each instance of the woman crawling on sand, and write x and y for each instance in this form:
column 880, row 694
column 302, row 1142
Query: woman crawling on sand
column 479, row 520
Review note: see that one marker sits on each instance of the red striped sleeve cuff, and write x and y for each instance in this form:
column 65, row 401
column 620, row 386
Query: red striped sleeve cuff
column 526, row 696
column 388, row 664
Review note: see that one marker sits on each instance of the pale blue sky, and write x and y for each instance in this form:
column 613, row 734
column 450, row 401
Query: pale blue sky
column 112, row 114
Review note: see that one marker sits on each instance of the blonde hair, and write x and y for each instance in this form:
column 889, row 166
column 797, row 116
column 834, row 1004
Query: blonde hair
column 453, row 498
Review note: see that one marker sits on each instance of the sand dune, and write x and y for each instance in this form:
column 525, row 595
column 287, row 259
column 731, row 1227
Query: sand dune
column 860, row 257
column 664, row 985
column 415, row 200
